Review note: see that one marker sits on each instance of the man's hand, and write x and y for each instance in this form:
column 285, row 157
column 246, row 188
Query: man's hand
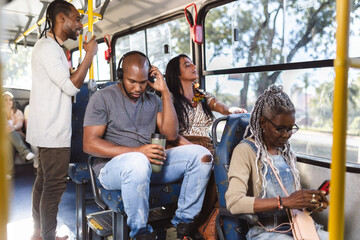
column 91, row 46
column 153, row 152
column 159, row 84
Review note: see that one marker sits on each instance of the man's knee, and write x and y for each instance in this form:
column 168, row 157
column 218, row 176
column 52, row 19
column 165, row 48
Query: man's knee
column 206, row 158
column 202, row 153
column 133, row 163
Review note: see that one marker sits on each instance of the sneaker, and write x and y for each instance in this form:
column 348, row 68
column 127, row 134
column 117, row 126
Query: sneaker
column 30, row 156
column 171, row 233
column 181, row 232
column 149, row 236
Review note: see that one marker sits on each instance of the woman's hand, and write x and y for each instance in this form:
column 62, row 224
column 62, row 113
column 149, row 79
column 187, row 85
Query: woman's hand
column 10, row 128
column 233, row 110
column 314, row 200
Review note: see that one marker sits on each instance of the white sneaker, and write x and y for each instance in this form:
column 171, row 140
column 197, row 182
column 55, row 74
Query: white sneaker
column 29, row 156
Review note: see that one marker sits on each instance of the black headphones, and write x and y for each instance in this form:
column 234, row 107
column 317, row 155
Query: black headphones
column 120, row 71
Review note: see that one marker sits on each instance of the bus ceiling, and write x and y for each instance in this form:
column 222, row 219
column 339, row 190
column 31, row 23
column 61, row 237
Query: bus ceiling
column 20, row 19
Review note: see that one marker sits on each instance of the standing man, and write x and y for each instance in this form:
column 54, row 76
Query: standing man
column 118, row 123
column 49, row 125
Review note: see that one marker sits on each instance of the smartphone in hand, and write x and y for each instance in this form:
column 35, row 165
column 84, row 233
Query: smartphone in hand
column 325, row 186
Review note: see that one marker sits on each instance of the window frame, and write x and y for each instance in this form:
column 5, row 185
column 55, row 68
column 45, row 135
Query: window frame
column 200, row 62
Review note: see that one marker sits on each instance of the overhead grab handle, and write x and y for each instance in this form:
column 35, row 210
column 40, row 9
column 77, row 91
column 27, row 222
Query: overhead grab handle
column 196, row 31
column 107, row 51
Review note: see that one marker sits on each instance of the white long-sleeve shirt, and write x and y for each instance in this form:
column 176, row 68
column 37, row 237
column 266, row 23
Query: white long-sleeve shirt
column 49, row 123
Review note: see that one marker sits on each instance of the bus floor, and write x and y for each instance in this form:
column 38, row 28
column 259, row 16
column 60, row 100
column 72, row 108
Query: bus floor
column 20, row 224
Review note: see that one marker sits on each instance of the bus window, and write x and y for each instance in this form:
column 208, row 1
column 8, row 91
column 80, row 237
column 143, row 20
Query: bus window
column 311, row 91
column 101, row 66
column 132, row 42
column 174, row 35
column 241, row 32
column 260, row 36
column 16, row 66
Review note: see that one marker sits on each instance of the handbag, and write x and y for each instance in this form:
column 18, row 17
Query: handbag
column 302, row 224
column 208, row 229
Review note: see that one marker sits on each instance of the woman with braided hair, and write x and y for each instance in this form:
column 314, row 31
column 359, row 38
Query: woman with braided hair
column 253, row 187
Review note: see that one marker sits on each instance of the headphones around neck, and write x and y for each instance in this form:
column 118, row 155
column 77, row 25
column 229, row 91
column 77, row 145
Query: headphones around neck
column 120, row 71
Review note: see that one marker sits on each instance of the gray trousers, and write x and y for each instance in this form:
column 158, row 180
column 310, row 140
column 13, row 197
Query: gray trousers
column 50, row 184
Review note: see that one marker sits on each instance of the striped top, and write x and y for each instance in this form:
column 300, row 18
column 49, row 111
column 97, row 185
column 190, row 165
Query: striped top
column 199, row 123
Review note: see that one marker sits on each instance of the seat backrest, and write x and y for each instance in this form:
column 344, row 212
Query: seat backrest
column 78, row 112
column 232, row 135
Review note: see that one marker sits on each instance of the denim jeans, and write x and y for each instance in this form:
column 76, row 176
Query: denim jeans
column 273, row 190
column 131, row 172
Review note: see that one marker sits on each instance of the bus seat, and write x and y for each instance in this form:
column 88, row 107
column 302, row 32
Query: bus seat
column 162, row 198
column 79, row 174
column 78, row 170
column 78, row 112
column 234, row 227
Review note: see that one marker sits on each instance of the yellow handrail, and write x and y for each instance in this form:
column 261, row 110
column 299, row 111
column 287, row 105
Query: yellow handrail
column 4, row 163
column 41, row 21
column 91, row 26
column 98, row 15
column 341, row 65
column 32, row 28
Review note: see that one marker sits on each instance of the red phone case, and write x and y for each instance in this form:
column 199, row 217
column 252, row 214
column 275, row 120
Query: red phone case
column 325, row 186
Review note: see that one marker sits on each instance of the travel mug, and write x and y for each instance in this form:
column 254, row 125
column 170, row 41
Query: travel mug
column 159, row 139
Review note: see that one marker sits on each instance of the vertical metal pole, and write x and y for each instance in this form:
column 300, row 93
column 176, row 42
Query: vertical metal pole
column 80, row 48
column 80, row 212
column 4, row 163
column 341, row 64
column 91, row 29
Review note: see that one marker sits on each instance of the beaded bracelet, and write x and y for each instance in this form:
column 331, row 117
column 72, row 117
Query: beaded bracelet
column 279, row 200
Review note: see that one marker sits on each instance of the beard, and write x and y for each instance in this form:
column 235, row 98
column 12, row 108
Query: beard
column 72, row 34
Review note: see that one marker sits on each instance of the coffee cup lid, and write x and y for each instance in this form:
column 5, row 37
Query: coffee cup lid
column 158, row 135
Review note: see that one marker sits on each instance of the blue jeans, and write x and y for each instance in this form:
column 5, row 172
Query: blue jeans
column 258, row 233
column 273, row 190
column 131, row 172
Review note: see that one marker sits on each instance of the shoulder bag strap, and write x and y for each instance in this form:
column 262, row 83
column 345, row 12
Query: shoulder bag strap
column 277, row 177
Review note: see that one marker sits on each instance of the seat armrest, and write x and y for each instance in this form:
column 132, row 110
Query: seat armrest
column 94, row 187
column 223, row 212
column 250, row 218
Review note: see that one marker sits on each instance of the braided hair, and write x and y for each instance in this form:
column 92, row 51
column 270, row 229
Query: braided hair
column 54, row 8
column 272, row 102
column 181, row 104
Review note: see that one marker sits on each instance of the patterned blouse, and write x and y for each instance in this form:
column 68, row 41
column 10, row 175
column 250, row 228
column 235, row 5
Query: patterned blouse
column 199, row 123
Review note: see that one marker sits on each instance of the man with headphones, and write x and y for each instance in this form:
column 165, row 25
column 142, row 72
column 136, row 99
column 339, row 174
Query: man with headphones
column 118, row 123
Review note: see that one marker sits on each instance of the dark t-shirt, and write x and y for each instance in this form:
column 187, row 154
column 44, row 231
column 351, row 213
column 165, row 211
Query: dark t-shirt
column 128, row 124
